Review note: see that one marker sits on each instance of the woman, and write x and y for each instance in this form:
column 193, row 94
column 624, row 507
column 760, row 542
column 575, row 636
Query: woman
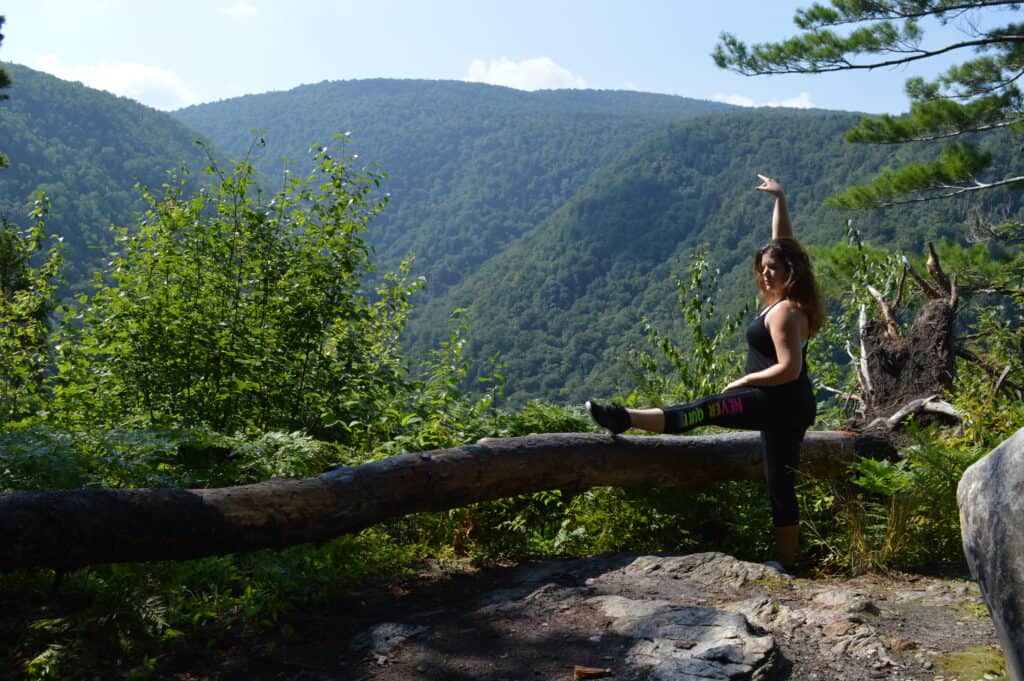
column 775, row 395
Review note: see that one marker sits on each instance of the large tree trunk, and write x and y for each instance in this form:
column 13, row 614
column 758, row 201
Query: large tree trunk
column 70, row 529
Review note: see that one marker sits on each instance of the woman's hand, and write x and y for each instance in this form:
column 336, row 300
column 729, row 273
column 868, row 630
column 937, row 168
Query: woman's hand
column 781, row 228
column 769, row 185
column 738, row 383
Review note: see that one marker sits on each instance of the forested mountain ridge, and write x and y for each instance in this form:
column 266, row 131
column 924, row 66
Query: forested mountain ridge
column 471, row 167
column 237, row 339
column 558, row 218
column 564, row 303
column 85, row 149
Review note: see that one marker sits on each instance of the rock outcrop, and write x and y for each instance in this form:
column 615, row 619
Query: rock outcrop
column 681, row 642
column 991, row 501
column 698, row 617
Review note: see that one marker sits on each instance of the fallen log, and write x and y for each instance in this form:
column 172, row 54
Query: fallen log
column 68, row 529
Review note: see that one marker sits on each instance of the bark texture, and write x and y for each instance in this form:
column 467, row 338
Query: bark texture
column 74, row 528
column 896, row 368
column 915, row 365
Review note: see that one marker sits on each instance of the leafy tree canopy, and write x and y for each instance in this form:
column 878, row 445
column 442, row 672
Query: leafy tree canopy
column 27, row 297
column 241, row 311
column 979, row 95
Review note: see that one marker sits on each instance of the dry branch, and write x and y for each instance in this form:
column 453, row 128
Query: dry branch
column 930, row 291
column 931, row 404
column 1001, row 381
column 862, row 366
column 74, row 528
column 900, row 288
column 843, row 394
column 935, row 269
column 887, row 312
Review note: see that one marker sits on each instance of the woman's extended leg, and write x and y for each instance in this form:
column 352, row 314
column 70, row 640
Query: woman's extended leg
column 745, row 408
column 618, row 419
column 647, row 419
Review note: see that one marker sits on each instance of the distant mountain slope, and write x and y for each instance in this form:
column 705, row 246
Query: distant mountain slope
column 84, row 148
column 472, row 167
column 563, row 304
column 559, row 219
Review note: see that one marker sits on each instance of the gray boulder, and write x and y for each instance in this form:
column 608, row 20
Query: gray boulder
column 991, row 501
column 681, row 643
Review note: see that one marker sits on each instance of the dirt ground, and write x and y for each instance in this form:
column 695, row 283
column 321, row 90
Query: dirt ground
column 537, row 620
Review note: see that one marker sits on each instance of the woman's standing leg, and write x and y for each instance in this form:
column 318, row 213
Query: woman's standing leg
column 781, row 458
column 744, row 408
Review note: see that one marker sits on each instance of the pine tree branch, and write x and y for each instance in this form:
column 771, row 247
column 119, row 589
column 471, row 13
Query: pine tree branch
column 956, row 191
column 953, row 133
column 843, row 64
column 980, row 95
column 955, row 9
column 991, row 90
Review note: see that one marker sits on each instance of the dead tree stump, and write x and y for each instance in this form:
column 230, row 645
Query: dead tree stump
column 904, row 373
column 908, row 367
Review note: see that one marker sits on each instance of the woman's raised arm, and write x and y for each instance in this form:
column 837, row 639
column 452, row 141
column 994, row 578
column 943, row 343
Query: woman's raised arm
column 781, row 227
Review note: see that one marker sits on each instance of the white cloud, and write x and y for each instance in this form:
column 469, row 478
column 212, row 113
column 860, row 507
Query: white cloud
column 151, row 85
column 539, row 73
column 801, row 101
column 239, row 10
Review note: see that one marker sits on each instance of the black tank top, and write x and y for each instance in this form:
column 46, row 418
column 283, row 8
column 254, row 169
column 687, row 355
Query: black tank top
column 761, row 349
column 795, row 400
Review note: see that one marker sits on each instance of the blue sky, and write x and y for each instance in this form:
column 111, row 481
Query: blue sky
column 170, row 54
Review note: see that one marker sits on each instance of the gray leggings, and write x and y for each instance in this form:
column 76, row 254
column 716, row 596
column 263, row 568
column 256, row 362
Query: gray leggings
column 782, row 418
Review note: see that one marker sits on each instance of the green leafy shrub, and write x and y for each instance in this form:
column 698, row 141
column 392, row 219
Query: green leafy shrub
column 127, row 620
column 40, row 458
column 285, row 455
column 707, row 362
column 27, row 297
column 44, row 458
column 241, row 311
column 891, row 515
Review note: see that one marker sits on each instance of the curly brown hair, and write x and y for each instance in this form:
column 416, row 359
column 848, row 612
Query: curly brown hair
column 800, row 287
